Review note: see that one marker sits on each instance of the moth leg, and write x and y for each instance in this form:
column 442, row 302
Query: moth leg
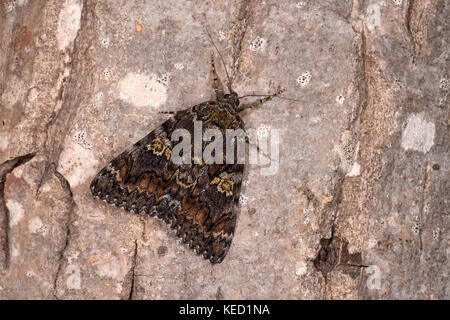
column 259, row 102
column 217, row 85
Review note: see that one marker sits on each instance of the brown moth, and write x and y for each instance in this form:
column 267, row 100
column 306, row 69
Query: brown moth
column 198, row 200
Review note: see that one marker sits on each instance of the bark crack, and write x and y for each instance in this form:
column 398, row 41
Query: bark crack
column 64, row 111
column 408, row 18
column 66, row 188
column 425, row 191
column 333, row 253
column 132, row 271
column 365, row 71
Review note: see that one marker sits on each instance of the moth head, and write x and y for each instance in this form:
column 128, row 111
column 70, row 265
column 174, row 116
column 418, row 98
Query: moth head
column 232, row 98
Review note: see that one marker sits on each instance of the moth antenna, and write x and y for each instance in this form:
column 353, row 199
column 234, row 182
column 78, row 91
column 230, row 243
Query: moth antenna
column 221, row 58
column 266, row 95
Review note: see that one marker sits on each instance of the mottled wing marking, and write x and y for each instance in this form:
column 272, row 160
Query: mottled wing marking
column 198, row 201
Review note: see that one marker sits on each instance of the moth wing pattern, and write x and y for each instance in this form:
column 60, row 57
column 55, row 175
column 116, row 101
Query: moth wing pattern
column 199, row 201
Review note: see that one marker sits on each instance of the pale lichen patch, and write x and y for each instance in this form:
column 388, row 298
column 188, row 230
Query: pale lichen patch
column 77, row 164
column 68, row 23
column 418, row 134
column 340, row 99
column 73, row 277
column 300, row 268
column 22, row 3
column 35, row 224
column 3, row 141
column 15, row 212
column 257, row 44
column 355, row 170
column 373, row 17
column 142, row 90
column 304, row 79
column 15, row 252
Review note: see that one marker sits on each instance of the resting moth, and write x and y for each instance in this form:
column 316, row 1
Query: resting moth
column 199, row 201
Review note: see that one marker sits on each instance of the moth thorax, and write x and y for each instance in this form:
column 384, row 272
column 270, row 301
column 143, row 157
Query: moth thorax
column 232, row 98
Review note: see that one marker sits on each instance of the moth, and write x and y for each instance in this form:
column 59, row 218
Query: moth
column 198, row 200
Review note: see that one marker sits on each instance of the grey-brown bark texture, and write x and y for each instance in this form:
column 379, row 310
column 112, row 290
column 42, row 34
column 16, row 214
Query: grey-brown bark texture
column 357, row 210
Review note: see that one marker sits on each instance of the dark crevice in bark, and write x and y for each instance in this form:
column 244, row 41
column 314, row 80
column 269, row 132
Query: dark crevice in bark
column 57, row 129
column 68, row 225
column 5, row 168
column 64, row 183
column 53, row 119
column 63, row 115
column 408, row 18
column 328, row 212
column 334, row 254
column 365, row 72
column 425, row 191
column 328, row 216
column 132, row 271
